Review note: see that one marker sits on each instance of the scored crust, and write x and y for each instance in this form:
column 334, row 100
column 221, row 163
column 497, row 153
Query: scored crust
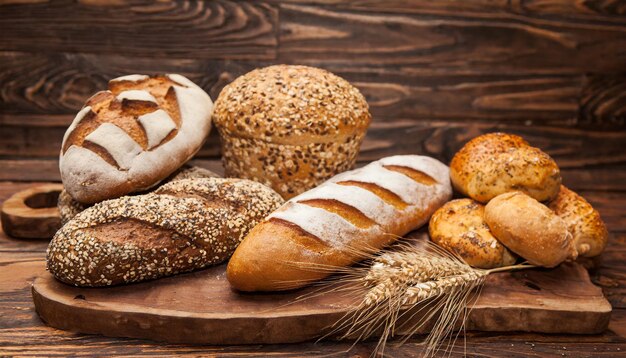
column 182, row 226
column 339, row 222
column 133, row 135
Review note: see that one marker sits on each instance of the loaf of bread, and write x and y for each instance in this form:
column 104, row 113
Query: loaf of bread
column 459, row 227
column 496, row 163
column 530, row 229
column 132, row 136
column 336, row 223
column 584, row 223
column 68, row 207
column 182, row 226
column 290, row 127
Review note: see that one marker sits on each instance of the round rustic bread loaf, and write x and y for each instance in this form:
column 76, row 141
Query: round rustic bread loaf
column 290, row 127
column 496, row 163
column 132, row 136
column 583, row 221
column 459, row 226
column 182, row 226
column 529, row 229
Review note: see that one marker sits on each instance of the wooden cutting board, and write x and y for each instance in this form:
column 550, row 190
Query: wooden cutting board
column 201, row 308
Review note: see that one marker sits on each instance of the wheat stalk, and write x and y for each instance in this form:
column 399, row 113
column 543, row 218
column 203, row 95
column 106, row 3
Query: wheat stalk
column 407, row 287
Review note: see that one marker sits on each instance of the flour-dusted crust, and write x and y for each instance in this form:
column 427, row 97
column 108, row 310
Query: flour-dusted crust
column 182, row 226
column 290, row 127
column 132, row 136
column 334, row 224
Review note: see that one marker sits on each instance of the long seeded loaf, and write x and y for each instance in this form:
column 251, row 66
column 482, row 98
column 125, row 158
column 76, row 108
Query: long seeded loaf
column 334, row 224
column 182, row 226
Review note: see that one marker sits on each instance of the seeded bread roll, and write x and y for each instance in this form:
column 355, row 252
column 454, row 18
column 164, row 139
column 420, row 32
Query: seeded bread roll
column 290, row 127
column 182, row 226
column 496, row 163
column 68, row 207
column 332, row 225
column 583, row 221
column 132, row 136
column 529, row 229
column 459, row 226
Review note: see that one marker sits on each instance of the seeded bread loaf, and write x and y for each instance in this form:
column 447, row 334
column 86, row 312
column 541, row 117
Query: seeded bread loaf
column 290, row 127
column 459, row 226
column 130, row 137
column 334, row 224
column 182, row 226
column 68, row 207
column 497, row 163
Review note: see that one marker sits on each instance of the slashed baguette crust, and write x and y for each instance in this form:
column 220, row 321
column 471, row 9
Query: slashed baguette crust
column 529, row 229
column 334, row 223
column 583, row 221
column 182, row 226
column 497, row 163
column 132, row 136
column 459, row 226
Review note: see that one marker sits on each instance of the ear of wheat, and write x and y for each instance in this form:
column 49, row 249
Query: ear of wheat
column 407, row 289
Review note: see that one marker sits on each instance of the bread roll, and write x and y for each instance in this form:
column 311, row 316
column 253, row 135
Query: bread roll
column 496, row 163
column 529, row 229
column 583, row 221
column 182, row 226
column 290, row 127
column 459, row 226
column 132, row 136
column 334, row 224
column 68, row 207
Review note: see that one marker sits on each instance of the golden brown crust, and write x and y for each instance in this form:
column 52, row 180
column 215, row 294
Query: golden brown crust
column 496, row 163
column 339, row 222
column 583, row 221
column 459, row 226
column 290, row 127
column 530, row 229
column 184, row 225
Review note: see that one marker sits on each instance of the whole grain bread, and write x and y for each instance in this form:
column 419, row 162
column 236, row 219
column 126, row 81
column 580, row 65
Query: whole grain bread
column 182, row 226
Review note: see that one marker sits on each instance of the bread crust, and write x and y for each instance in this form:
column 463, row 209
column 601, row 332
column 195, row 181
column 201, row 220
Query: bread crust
column 589, row 233
column 530, row 229
column 182, row 226
column 496, row 163
column 132, row 136
column 290, row 127
column 68, row 207
column 339, row 222
column 459, row 226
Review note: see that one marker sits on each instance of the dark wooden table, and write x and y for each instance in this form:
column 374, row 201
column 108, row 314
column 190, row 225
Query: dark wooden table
column 435, row 73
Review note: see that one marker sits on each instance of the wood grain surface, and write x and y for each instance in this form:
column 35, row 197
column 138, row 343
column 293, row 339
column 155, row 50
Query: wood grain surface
column 435, row 73
column 194, row 308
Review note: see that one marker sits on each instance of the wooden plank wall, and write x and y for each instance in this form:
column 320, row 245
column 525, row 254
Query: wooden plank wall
column 435, row 73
